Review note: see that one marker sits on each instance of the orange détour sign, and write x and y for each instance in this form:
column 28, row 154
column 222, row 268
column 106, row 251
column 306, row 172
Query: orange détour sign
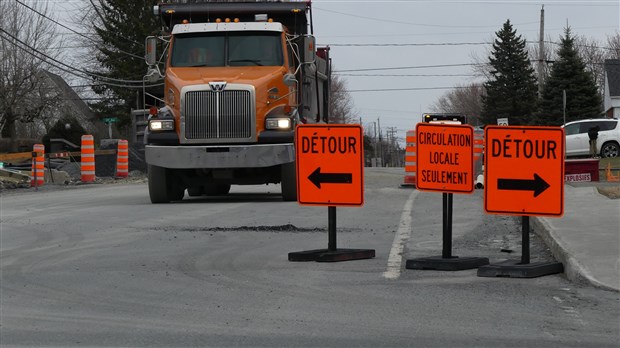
column 330, row 164
column 445, row 157
column 524, row 170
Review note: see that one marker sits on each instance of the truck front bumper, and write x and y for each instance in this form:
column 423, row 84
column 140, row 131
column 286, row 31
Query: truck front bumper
column 218, row 156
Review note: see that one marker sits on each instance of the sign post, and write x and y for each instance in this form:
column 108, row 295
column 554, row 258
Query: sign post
column 330, row 172
column 109, row 121
column 445, row 163
column 524, row 177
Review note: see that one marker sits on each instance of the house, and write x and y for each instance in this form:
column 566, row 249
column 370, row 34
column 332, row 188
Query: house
column 73, row 105
column 612, row 88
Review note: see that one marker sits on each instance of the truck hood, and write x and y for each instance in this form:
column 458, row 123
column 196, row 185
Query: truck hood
column 254, row 75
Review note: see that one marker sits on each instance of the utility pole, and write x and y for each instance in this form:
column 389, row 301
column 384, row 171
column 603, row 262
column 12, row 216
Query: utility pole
column 380, row 141
column 392, row 151
column 541, row 51
column 374, row 140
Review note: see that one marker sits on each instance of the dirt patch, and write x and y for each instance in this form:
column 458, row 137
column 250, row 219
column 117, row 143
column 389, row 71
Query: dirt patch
column 612, row 192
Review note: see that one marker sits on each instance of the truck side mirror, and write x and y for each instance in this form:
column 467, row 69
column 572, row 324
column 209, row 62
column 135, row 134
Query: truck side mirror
column 150, row 55
column 309, row 55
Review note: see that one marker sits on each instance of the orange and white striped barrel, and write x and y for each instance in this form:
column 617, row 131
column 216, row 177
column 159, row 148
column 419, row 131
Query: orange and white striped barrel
column 479, row 159
column 122, row 159
column 37, row 176
column 410, row 159
column 478, row 146
column 88, row 158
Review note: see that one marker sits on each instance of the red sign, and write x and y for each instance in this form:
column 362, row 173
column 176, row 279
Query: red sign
column 524, row 170
column 330, row 164
column 445, row 157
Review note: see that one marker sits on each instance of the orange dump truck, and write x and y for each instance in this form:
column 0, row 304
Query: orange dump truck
column 239, row 77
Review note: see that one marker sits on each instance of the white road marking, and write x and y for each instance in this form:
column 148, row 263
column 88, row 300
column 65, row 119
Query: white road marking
column 400, row 240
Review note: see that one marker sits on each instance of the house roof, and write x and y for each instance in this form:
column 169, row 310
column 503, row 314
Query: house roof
column 71, row 96
column 612, row 69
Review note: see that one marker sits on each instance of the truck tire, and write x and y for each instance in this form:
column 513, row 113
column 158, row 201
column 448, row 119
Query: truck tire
column 288, row 181
column 158, row 184
column 161, row 187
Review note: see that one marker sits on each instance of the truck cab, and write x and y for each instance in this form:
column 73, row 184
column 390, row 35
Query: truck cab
column 234, row 90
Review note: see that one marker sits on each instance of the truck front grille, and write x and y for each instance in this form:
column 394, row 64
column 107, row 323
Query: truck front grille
column 218, row 117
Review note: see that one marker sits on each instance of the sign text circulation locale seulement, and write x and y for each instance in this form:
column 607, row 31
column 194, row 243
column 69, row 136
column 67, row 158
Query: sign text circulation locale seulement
column 445, row 157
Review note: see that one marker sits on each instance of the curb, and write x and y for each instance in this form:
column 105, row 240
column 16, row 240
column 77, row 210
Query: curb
column 573, row 270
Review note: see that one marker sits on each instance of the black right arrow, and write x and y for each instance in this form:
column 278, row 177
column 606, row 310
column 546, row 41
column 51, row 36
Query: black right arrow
column 538, row 185
column 319, row 178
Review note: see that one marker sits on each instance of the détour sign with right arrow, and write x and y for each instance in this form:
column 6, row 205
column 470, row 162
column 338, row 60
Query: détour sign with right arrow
column 524, row 170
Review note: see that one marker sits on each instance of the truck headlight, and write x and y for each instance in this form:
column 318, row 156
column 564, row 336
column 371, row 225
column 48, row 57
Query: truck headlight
column 278, row 123
column 161, row 125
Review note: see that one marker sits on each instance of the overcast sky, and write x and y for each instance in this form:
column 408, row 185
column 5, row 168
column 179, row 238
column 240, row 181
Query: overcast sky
column 341, row 22
column 447, row 25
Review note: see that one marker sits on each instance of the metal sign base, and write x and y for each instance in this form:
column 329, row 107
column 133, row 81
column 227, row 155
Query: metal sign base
column 440, row 263
column 523, row 268
column 332, row 253
column 326, row 255
column 447, row 262
column 515, row 269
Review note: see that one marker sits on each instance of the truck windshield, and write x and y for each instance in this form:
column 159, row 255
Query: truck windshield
column 227, row 49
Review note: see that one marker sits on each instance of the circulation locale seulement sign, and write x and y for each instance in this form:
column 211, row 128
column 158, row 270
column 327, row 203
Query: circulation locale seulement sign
column 445, row 157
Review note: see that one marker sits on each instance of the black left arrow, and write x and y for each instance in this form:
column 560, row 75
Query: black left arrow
column 319, row 178
column 538, row 185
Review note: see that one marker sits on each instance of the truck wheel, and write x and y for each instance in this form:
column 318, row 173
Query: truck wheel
column 288, row 181
column 158, row 184
column 161, row 187
column 216, row 189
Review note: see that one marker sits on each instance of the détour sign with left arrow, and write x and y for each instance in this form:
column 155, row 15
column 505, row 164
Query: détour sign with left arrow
column 330, row 164
column 524, row 170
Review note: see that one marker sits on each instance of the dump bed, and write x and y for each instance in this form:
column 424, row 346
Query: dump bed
column 291, row 14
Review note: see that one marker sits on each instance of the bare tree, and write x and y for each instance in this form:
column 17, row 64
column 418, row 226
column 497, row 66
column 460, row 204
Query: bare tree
column 614, row 45
column 25, row 39
column 593, row 55
column 466, row 100
column 341, row 108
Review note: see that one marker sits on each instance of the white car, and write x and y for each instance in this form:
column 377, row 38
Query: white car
column 578, row 142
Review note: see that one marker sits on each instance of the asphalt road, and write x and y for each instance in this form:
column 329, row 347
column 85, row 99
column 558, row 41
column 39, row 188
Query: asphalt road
column 98, row 265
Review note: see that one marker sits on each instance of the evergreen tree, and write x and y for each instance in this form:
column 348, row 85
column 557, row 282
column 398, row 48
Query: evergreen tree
column 122, row 27
column 569, row 74
column 511, row 91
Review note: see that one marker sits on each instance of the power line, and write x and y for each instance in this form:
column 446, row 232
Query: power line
column 588, row 46
column 409, row 67
column 73, row 31
column 339, row 72
column 408, row 89
column 63, row 64
column 443, row 44
column 406, row 75
column 409, row 44
column 413, row 24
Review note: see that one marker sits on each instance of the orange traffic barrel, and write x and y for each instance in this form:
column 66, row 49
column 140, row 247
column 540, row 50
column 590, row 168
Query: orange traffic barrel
column 88, row 158
column 37, row 176
column 478, row 146
column 122, row 159
column 410, row 160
